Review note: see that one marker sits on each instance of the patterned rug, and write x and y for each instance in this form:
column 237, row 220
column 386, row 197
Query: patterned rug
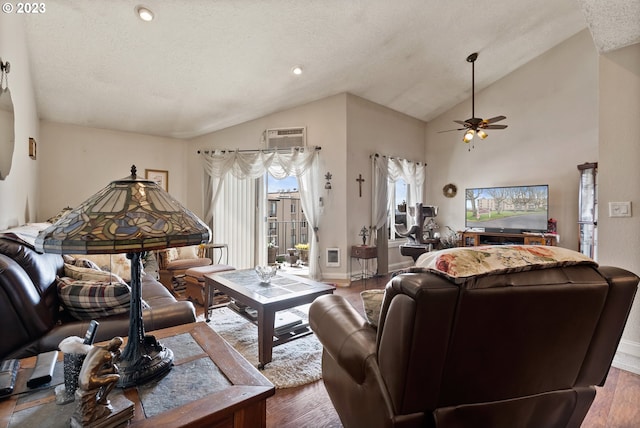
column 294, row 363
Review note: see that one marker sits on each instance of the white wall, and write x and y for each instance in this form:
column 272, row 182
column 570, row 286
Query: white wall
column 619, row 179
column 551, row 105
column 18, row 192
column 372, row 128
column 75, row 162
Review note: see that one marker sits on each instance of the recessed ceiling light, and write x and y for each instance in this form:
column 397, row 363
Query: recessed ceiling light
column 144, row 13
column 297, row 70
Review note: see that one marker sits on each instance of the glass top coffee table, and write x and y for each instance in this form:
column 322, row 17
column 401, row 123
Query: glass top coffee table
column 285, row 291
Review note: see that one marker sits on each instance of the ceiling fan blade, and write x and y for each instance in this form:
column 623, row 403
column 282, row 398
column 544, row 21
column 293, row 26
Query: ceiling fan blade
column 450, row 130
column 494, row 126
column 494, row 119
column 461, row 122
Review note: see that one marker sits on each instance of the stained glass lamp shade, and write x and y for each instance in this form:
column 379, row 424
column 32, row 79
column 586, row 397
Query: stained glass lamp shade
column 131, row 215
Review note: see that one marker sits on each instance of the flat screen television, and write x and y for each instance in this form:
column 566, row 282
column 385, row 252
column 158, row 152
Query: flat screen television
column 510, row 209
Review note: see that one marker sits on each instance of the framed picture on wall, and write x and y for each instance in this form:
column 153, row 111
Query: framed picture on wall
column 159, row 176
column 32, row 148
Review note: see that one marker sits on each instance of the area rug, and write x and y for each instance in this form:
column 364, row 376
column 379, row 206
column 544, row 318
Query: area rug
column 294, row 363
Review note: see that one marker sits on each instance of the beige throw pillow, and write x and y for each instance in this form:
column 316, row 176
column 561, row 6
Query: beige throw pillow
column 189, row 252
column 372, row 302
column 89, row 274
column 118, row 264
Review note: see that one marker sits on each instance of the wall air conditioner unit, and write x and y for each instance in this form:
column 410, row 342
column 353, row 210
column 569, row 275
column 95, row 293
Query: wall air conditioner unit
column 284, row 138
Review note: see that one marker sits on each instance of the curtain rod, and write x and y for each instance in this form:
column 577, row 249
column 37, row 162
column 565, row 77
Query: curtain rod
column 275, row 149
column 377, row 155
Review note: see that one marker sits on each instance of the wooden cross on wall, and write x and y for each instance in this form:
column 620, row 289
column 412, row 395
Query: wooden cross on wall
column 360, row 180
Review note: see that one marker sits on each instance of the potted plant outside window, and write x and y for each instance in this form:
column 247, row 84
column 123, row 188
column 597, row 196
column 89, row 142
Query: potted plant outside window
column 272, row 252
column 303, row 251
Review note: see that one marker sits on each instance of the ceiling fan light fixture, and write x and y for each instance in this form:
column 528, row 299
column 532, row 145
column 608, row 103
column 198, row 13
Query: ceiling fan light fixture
column 468, row 136
column 475, row 125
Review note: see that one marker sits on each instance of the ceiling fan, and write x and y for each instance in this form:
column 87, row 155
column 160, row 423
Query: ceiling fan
column 474, row 125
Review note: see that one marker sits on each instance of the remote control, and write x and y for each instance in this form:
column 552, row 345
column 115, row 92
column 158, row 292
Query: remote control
column 8, row 372
column 90, row 335
column 43, row 371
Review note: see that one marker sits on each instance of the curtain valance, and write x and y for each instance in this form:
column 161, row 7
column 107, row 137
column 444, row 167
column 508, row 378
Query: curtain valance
column 254, row 164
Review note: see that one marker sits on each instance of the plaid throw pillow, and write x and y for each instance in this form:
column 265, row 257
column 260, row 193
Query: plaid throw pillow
column 93, row 299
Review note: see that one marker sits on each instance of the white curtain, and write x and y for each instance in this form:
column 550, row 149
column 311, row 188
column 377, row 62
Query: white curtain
column 386, row 171
column 310, row 201
column 234, row 222
column 299, row 162
column 380, row 198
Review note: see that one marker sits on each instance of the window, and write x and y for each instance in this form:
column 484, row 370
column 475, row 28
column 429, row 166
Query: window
column 396, row 182
column 272, row 233
column 398, row 195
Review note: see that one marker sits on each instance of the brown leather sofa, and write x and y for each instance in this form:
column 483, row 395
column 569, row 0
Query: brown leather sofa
column 30, row 317
column 510, row 350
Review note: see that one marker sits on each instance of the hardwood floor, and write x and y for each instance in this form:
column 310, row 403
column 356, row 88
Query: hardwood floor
column 617, row 404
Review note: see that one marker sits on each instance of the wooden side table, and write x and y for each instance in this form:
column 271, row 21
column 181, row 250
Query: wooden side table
column 210, row 385
column 222, row 248
column 363, row 254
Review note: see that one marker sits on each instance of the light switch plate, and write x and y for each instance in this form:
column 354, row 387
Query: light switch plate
column 619, row 209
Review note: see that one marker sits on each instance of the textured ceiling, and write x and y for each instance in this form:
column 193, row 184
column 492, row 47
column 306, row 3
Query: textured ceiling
column 613, row 23
column 200, row 66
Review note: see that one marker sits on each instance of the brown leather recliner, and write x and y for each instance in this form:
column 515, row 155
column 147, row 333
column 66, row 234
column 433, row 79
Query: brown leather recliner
column 173, row 264
column 511, row 350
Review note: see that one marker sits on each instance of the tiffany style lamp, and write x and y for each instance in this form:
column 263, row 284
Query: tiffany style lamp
column 131, row 215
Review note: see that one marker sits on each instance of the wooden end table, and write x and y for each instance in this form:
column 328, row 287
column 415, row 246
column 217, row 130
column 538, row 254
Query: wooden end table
column 210, row 385
column 285, row 291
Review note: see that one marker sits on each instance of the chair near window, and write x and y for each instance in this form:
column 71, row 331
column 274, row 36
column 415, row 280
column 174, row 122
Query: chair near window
column 174, row 262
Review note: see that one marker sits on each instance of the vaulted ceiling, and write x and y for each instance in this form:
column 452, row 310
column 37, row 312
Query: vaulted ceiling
column 201, row 66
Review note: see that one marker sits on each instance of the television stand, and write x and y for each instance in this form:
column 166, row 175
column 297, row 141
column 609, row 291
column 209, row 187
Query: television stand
column 474, row 239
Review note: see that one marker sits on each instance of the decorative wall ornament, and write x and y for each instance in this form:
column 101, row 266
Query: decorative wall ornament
column 7, row 121
column 360, row 180
column 450, row 190
column 327, row 177
column 5, row 68
column 32, row 148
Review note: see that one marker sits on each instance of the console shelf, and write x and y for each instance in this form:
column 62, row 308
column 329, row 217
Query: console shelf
column 474, row 239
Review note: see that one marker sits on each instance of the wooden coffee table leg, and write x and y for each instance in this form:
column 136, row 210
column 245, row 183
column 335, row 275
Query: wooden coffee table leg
column 266, row 319
column 207, row 301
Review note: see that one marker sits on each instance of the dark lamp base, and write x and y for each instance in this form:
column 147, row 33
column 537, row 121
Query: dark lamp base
column 155, row 362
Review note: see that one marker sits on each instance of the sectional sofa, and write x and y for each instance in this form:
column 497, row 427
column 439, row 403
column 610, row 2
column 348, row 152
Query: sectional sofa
column 34, row 320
